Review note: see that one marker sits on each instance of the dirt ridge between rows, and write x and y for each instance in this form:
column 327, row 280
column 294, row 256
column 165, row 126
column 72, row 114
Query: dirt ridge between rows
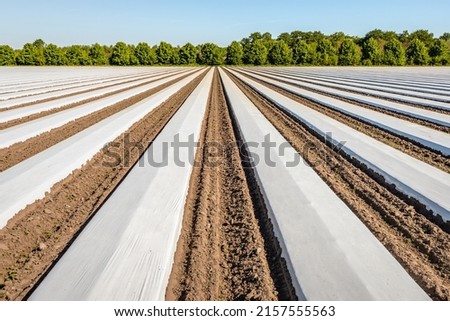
column 391, row 89
column 25, row 119
column 278, row 266
column 401, row 143
column 221, row 252
column 33, row 240
column 80, row 83
column 18, row 152
column 421, row 106
column 420, row 246
column 399, row 115
column 396, row 114
column 45, row 100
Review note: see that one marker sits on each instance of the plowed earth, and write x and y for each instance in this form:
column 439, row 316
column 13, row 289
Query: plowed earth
column 227, row 250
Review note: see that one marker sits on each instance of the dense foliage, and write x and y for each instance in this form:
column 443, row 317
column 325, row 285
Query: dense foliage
column 296, row 48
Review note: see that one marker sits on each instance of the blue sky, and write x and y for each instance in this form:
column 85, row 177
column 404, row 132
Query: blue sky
column 200, row 21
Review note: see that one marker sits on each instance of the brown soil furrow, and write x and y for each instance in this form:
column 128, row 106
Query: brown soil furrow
column 44, row 113
column 419, row 245
column 442, row 111
column 409, row 118
column 34, row 238
column 79, row 84
column 407, row 146
column 39, row 101
column 20, row 151
column 221, row 252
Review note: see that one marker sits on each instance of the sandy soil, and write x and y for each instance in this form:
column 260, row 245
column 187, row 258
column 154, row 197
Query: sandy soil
column 222, row 252
column 64, row 95
column 418, row 244
column 53, row 87
column 227, row 250
column 22, row 120
column 35, row 237
column 442, row 111
column 18, row 152
column 401, row 143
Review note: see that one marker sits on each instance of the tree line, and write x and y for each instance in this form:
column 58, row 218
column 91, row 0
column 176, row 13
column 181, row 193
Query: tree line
column 314, row 48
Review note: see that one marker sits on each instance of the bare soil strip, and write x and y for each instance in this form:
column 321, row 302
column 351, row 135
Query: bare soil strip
column 26, row 119
column 422, row 106
column 399, row 115
column 53, row 88
column 407, row 146
column 37, row 236
column 69, row 95
column 221, row 252
column 399, row 224
column 20, row 151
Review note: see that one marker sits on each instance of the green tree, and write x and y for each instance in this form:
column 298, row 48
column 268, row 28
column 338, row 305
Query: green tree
column 326, row 53
column 417, row 53
column 300, row 52
column 39, row 43
column 187, row 54
column 134, row 61
column 349, row 54
column 424, row 36
column 176, row 55
column 298, row 47
column 145, row 54
column 394, row 53
column 296, row 36
column 97, row 55
column 375, row 34
column 255, row 36
column 256, row 53
column 313, row 55
column 371, row 52
column 378, row 34
column 235, row 53
column 210, row 54
column 121, row 54
column 440, row 52
column 78, row 55
column 280, row 53
column 30, row 56
column 337, row 39
column 404, row 36
column 246, row 44
column 165, row 53
column 309, row 37
column 252, row 47
column 54, row 55
column 267, row 40
column 7, row 56
column 286, row 37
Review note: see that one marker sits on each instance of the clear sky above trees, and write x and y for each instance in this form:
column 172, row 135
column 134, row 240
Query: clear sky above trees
column 201, row 21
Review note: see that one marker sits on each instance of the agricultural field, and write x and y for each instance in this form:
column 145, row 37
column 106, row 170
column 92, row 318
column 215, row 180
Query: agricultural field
column 224, row 183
